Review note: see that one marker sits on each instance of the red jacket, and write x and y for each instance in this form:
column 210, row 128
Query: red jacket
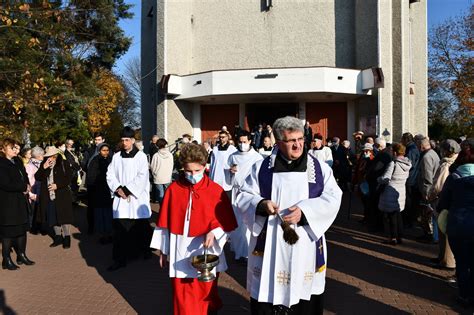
column 211, row 208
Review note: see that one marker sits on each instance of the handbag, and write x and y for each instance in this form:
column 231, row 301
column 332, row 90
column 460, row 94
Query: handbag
column 443, row 220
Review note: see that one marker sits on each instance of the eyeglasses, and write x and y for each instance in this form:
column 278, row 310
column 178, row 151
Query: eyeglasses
column 294, row 141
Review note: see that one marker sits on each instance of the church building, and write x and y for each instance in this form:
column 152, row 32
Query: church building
column 342, row 65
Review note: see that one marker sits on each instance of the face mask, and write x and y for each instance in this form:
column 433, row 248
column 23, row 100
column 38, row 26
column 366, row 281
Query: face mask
column 244, row 147
column 366, row 154
column 194, row 179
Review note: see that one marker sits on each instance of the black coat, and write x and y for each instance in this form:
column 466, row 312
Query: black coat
column 13, row 205
column 63, row 201
column 97, row 182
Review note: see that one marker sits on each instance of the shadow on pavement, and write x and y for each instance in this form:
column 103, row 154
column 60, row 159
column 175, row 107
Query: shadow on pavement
column 4, row 308
column 143, row 284
column 354, row 252
column 348, row 297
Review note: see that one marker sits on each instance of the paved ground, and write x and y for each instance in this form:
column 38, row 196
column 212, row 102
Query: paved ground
column 364, row 277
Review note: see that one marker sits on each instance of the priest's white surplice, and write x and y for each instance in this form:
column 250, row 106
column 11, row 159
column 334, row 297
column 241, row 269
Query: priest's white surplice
column 244, row 161
column 219, row 169
column 180, row 248
column 285, row 274
column 133, row 173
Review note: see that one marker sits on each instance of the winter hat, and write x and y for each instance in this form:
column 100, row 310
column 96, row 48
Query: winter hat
column 450, row 146
column 368, row 146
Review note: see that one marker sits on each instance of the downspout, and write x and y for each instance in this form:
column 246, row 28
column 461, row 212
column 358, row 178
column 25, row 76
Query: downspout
column 165, row 70
column 379, row 65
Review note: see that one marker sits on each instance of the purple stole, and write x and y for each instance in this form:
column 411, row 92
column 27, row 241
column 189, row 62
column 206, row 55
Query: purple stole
column 265, row 181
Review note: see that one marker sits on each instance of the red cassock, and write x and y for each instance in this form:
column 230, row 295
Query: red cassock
column 211, row 208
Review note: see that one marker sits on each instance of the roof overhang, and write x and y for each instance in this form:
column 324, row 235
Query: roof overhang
column 272, row 81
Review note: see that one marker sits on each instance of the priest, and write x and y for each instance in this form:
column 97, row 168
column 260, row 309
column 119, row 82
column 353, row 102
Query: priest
column 219, row 169
column 195, row 217
column 127, row 178
column 281, row 277
column 240, row 164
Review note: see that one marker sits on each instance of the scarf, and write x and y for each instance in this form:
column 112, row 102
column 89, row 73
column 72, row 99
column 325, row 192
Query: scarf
column 52, row 193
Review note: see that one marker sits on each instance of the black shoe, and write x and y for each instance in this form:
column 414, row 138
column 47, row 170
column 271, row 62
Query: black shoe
column 66, row 242
column 7, row 263
column 427, row 239
column 57, row 240
column 463, row 301
column 435, row 260
column 116, row 266
column 22, row 259
column 147, row 255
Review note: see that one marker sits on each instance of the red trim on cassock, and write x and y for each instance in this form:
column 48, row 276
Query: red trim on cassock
column 211, row 208
column 191, row 297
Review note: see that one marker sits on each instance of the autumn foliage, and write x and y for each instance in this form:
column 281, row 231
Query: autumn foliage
column 451, row 76
column 100, row 108
column 55, row 66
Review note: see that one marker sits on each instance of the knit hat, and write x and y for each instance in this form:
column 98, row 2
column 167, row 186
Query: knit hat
column 368, row 146
column 450, row 146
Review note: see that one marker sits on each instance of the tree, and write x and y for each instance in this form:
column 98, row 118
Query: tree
column 110, row 93
column 450, row 82
column 131, row 78
column 51, row 54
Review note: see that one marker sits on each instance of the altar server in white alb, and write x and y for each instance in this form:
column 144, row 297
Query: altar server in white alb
column 127, row 177
column 304, row 192
column 321, row 152
column 219, row 169
column 240, row 164
column 195, row 214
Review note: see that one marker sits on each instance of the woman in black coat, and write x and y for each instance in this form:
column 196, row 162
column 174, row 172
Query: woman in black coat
column 102, row 199
column 55, row 175
column 13, row 207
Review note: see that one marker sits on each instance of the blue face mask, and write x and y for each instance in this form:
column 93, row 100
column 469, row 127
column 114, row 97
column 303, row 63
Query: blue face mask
column 194, row 179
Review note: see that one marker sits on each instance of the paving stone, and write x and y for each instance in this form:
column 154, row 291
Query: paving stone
column 363, row 277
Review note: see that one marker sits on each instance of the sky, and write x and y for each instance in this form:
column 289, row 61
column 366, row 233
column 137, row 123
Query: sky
column 438, row 11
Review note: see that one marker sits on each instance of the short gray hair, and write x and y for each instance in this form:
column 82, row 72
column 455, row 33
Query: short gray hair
column 288, row 123
column 381, row 143
column 37, row 151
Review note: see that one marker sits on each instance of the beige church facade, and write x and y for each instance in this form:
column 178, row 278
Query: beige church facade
column 343, row 65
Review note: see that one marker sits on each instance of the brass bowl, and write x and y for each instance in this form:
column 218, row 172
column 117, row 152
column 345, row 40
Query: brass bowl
column 204, row 266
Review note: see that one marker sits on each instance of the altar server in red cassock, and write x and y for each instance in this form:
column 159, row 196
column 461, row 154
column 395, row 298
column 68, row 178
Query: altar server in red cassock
column 195, row 214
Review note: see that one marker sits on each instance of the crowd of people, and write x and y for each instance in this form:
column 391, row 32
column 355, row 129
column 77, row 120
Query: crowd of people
column 272, row 193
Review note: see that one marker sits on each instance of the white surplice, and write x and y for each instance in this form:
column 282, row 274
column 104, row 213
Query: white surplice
column 324, row 155
column 132, row 173
column 180, row 248
column 219, row 169
column 240, row 237
column 285, row 274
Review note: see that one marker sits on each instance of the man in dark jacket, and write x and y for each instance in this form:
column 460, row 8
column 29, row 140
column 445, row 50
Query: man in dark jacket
column 377, row 168
column 308, row 135
column 73, row 161
column 412, row 195
column 153, row 146
column 428, row 165
column 257, row 137
column 88, row 156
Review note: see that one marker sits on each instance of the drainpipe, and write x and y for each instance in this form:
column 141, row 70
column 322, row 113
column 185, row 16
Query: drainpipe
column 379, row 64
